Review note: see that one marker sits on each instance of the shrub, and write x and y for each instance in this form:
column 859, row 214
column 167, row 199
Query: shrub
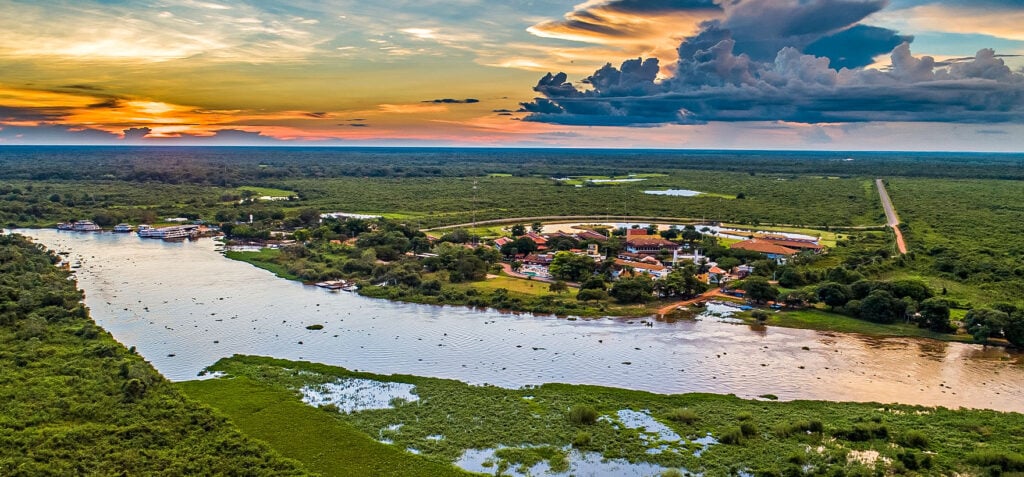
column 582, row 439
column 744, row 416
column 315, row 327
column 1004, row 461
column 684, row 415
column 864, row 431
column 914, row 439
column 732, row 436
column 749, row 429
column 671, row 473
column 582, row 414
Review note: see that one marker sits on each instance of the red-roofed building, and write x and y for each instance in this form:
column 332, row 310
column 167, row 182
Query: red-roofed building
column 636, row 232
column 795, row 244
column 766, row 247
column 649, row 245
column 591, row 235
column 537, row 238
column 503, row 241
column 656, row 271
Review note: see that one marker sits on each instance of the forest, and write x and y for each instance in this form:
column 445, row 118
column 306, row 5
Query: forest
column 73, row 401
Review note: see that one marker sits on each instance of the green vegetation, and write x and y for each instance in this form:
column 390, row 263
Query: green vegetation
column 327, row 446
column 537, row 423
column 253, row 191
column 75, row 402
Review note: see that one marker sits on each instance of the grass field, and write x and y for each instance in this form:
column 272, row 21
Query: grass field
column 263, row 259
column 538, row 424
column 267, row 191
column 327, row 446
column 814, row 319
column 519, row 285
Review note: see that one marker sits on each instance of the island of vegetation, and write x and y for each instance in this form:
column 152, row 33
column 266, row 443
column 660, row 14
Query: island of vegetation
column 557, row 427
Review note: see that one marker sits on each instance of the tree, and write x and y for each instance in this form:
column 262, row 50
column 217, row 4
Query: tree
column 309, row 216
column 984, row 323
column 518, row 230
column 520, row 245
column 572, row 267
column 759, row 290
column 594, row 283
column 834, row 294
column 935, row 315
column 536, row 227
column 558, row 287
column 880, row 307
column 670, row 234
column 636, row 289
column 591, row 294
column 1014, row 329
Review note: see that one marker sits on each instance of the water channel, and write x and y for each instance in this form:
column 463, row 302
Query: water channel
column 183, row 306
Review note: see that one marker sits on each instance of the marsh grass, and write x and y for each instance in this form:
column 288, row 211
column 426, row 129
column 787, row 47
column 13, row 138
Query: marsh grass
column 487, row 417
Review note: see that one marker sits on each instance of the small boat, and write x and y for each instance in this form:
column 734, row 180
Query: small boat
column 351, row 288
column 123, row 228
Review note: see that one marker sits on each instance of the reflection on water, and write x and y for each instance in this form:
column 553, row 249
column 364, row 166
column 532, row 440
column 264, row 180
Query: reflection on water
column 183, row 306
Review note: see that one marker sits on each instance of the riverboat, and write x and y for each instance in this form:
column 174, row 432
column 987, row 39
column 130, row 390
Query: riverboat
column 123, row 228
column 86, row 226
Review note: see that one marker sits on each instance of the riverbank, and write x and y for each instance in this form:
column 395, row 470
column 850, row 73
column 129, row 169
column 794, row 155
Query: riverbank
column 807, row 318
column 556, row 426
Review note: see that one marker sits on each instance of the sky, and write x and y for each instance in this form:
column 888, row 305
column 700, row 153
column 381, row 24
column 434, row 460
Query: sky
column 705, row 74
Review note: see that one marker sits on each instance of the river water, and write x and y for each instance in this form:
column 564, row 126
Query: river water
column 184, row 306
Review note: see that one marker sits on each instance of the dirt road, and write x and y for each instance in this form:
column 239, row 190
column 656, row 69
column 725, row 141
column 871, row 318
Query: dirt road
column 893, row 220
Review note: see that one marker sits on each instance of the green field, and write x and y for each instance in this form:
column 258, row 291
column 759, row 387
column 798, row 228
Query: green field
column 538, row 424
column 266, row 191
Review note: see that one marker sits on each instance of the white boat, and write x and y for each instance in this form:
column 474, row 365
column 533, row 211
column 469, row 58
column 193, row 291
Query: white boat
column 145, row 231
column 86, row 226
column 123, row 228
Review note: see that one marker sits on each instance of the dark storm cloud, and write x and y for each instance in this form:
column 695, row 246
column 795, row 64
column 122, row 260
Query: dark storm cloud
column 452, row 101
column 37, row 114
column 718, row 79
column 657, row 6
column 111, row 103
column 136, row 134
column 53, row 134
column 857, row 46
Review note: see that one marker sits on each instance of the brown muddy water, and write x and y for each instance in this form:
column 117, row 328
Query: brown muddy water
column 183, row 306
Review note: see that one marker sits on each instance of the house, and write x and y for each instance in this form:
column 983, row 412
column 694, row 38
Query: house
column 649, row 245
column 655, row 270
column 503, row 241
column 715, row 275
column 636, row 232
column 742, row 271
column 802, row 245
column 543, row 259
column 591, row 235
column 767, row 248
column 593, row 251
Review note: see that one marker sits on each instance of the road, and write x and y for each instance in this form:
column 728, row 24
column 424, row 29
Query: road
column 713, row 292
column 893, row 220
column 610, row 218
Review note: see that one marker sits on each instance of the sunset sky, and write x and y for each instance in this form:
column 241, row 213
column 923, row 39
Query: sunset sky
column 772, row 74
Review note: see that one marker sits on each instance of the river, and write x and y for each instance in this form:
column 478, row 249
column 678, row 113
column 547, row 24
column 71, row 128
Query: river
column 184, row 306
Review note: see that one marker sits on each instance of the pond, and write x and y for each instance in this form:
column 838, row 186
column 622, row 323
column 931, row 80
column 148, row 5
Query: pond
column 184, row 306
column 674, row 192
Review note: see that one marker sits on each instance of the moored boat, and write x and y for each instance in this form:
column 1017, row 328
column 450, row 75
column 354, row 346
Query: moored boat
column 123, row 228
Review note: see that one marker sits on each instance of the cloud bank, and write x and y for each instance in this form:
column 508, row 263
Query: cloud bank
column 798, row 61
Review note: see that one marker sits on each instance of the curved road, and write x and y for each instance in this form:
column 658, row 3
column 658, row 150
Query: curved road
column 616, row 218
column 892, row 218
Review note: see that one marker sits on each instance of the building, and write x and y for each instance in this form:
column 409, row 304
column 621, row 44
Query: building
column 591, row 235
column 655, row 270
column 715, row 275
column 767, row 248
column 649, row 245
column 802, row 245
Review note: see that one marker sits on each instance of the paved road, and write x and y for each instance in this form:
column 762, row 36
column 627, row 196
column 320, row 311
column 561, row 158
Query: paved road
column 890, row 214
